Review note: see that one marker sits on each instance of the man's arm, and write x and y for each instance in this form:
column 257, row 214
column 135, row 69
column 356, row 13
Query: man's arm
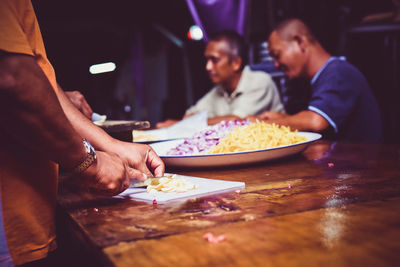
column 34, row 118
column 32, row 112
column 303, row 121
column 97, row 136
column 142, row 160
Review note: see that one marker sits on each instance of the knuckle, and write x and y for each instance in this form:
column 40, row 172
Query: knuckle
column 112, row 186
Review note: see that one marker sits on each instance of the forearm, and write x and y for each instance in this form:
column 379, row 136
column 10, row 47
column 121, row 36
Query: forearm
column 303, row 121
column 97, row 136
column 32, row 114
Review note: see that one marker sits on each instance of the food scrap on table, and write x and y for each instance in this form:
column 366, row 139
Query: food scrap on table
column 248, row 217
column 214, row 239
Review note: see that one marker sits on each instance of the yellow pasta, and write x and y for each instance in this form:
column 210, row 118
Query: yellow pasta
column 255, row 136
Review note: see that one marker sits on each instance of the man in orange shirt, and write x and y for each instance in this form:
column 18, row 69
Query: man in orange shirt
column 41, row 128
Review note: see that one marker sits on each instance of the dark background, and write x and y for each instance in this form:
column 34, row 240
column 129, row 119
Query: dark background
column 78, row 34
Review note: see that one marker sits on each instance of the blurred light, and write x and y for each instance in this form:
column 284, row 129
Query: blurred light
column 101, row 68
column 195, row 33
column 127, row 108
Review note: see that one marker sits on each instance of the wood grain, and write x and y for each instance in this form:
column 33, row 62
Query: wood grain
column 336, row 204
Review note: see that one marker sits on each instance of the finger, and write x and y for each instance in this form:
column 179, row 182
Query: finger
column 125, row 182
column 119, row 180
column 155, row 163
column 118, row 186
column 84, row 107
column 87, row 111
column 145, row 168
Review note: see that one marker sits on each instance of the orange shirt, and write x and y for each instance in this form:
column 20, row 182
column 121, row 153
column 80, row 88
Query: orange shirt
column 28, row 181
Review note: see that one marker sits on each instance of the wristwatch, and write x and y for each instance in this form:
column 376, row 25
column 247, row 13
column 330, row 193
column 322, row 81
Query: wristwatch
column 89, row 160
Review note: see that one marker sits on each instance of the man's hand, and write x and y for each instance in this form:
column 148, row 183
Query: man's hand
column 305, row 120
column 166, row 123
column 112, row 172
column 80, row 103
column 142, row 161
column 108, row 176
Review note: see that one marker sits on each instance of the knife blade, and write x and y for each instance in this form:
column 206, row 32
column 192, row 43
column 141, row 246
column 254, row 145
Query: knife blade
column 145, row 183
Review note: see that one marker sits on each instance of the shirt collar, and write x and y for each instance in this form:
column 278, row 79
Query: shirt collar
column 239, row 88
column 324, row 66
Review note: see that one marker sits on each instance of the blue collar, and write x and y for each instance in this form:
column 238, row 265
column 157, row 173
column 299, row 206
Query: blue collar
column 324, row 66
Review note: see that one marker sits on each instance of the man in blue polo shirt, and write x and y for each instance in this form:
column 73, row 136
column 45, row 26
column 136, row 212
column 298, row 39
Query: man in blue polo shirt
column 341, row 103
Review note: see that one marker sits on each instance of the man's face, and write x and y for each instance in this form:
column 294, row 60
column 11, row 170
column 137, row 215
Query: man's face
column 219, row 69
column 287, row 56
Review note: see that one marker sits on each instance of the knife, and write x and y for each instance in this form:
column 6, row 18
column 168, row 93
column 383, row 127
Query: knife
column 145, row 183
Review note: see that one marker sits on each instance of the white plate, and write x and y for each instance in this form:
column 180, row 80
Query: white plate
column 227, row 159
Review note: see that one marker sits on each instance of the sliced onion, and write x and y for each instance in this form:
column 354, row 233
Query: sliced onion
column 202, row 141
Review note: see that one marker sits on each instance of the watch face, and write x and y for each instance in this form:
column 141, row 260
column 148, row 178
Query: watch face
column 89, row 148
column 87, row 145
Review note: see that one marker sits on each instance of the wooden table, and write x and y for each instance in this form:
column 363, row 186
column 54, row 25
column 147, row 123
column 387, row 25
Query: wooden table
column 336, row 204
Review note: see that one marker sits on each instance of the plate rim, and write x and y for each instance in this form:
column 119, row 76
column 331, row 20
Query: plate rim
column 318, row 136
column 158, row 140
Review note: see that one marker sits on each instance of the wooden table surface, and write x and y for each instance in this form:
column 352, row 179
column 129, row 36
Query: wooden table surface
column 335, row 204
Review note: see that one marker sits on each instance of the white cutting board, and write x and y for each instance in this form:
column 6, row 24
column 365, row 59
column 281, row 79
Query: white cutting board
column 205, row 187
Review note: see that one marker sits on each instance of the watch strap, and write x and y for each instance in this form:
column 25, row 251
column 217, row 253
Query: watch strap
column 88, row 161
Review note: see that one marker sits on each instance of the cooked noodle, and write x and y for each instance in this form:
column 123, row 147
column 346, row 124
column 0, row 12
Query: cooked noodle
column 255, row 136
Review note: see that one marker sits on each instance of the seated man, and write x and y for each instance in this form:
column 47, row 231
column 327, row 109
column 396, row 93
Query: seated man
column 341, row 104
column 238, row 90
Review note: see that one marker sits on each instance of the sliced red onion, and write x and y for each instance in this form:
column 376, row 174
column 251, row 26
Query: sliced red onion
column 202, row 141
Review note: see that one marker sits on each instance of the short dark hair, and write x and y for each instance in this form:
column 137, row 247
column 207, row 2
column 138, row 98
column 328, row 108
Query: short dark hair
column 236, row 43
column 295, row 25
